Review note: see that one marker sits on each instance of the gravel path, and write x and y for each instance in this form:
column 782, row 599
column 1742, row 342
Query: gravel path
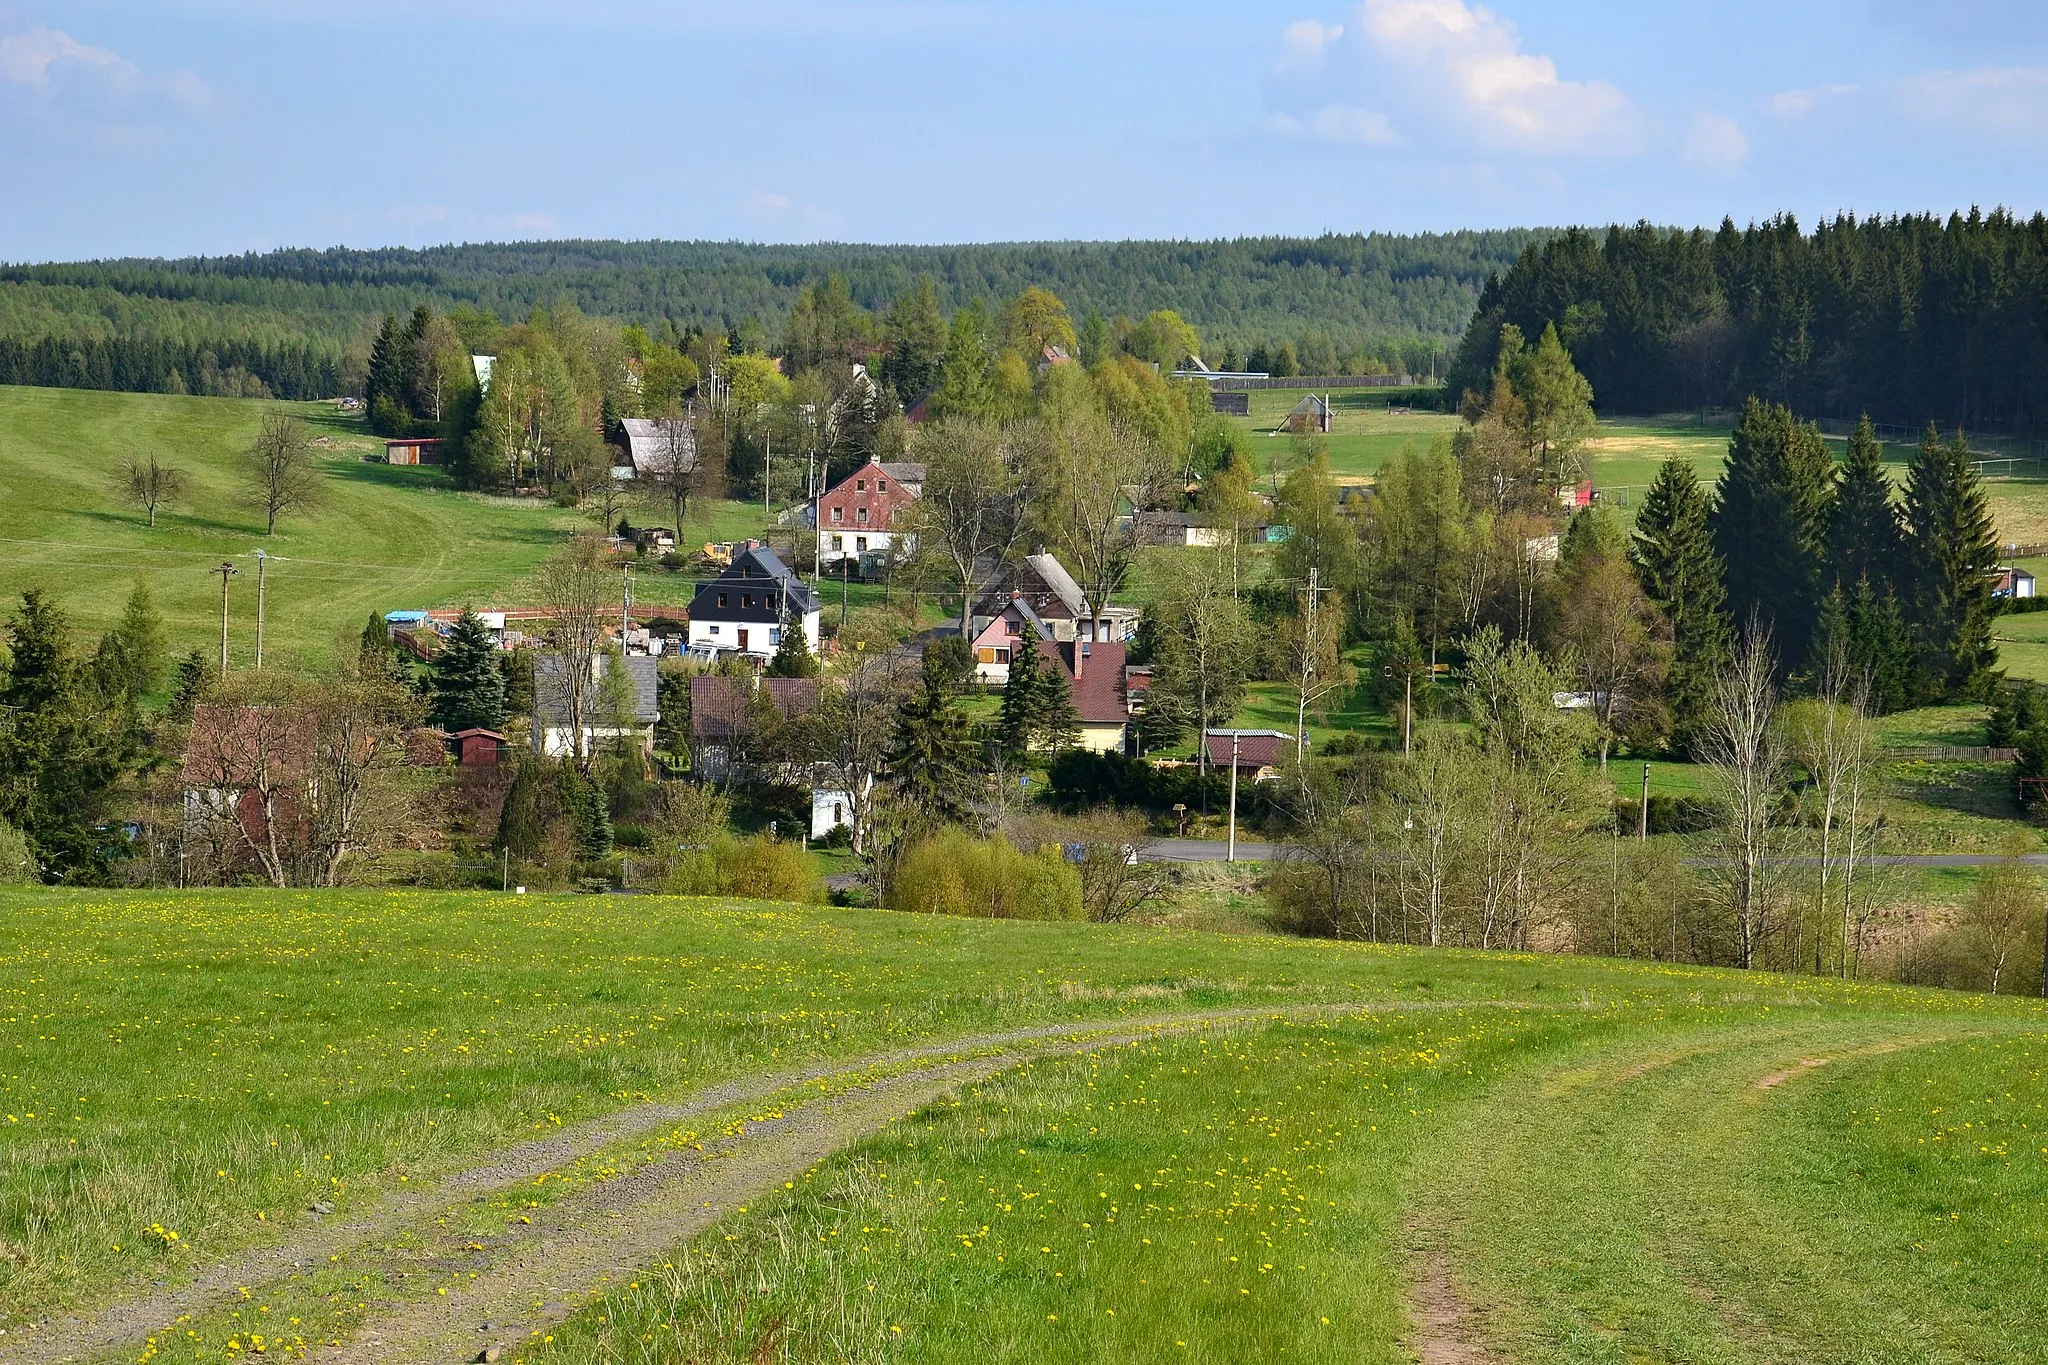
column 660, row 1197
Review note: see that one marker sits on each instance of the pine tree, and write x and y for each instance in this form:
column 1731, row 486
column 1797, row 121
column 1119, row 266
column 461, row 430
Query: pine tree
column 1022, row 697
column 1771, row 524
column 62, row 751
column 1951, row 551
column 522, row 825
column 130, row 661
column 1864, row 540
column 381, row 385
column 465, row 689
column 1866, row 629
column 1673, row 554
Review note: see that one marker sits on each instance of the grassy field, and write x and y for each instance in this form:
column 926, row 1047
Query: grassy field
column 382, row 538
column 1445, row 1130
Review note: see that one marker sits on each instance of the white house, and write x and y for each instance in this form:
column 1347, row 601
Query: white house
column 552, row 734
column 746, row 608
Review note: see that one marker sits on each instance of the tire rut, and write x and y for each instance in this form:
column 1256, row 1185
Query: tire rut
column 132, row 1319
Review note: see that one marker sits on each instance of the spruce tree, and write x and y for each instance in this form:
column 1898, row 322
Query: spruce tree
column 1022, row 698
column 63, row 752
column 465, row 689
column 793, row 657
column 1771, row 524
column 1674, row 558
column 1059, row 725
column 964, row 386
column 522, row 825
column 1951, row 551
column 1864, row 539
column 930, row 765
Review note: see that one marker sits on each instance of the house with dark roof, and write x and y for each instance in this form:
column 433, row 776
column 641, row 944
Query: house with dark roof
column 1258, row 752
column 1098, row 675
column 1041, row 582
column 869, row 512
column 553, row 734
column 746, row 608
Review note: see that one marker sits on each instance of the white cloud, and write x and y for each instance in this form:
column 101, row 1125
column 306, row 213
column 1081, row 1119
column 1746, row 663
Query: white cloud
column 1304, row 43
column 1349, row 123
column 1716, row 143
column 27, row 57
column 1990, row 99
column 1788, row 104
column 1504, row 96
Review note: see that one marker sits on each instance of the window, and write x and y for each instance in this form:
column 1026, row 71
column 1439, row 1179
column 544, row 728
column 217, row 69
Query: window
column 860, row 543
column 774, row 635
column 860, row 485
column 746, row 601
column 1002, row 654
column 838, row 812
column 861, row 516
column 712, row 629
column 881, row 485
column 838, row 542
column 721, row 601
column 838, row 515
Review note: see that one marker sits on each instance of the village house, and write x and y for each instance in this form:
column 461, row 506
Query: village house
column 1099, row 677
column 1259, row 752
column 252, row 767
column 722, row 723
column 1042, row 583
column 2008, row 581
column 746, row 608
column 1177, row 528
column 654, row 445
column 552, row 734
column 869, row 512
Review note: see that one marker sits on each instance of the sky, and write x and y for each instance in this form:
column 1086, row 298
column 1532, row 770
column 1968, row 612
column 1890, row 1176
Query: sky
column 177, row 127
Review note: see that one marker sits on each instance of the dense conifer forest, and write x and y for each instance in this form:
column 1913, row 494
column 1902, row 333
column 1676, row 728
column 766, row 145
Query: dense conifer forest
column 1907, row 319
column 292, row 319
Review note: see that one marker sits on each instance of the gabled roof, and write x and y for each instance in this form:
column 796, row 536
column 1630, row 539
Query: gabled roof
column 904, row 472
column 1255, row 748
column 754, row 566
column 719, row 705
column 551, row 689
column 235, row 746
column 1099, row 692
column 648, row 446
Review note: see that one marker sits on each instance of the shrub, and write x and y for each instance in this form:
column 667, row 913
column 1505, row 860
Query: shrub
column 762, row 868
column 17, row 864
column 953, row 873
column 1078, row 779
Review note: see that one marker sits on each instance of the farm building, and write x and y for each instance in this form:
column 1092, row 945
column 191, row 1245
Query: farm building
column 1311, row 414
column 477, row 747
column 2008, row 581
column 413, row 450
column 1177, row 528
column 1231, row 403
column 1259, row 752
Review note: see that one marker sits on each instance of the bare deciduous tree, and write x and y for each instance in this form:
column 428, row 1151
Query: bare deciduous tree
column 1832, row 738
column 1744, row 748
column 574, row 585
column 1081, row 468
column 149, row 483
column 278, row 469
column 853, row 728
column 972, row 512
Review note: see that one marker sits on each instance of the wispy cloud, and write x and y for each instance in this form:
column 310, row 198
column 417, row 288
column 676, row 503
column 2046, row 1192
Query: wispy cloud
column 1716, row 143
column 2001, row 100
column 79, row 93
column 28, row 57
column 1790, row 104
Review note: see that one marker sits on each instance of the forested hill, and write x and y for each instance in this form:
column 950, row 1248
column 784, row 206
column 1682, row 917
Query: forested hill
column 311, row 307
column 1907, row 319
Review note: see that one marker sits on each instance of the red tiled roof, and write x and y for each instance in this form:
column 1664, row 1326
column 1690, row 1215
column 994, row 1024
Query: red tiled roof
column 229, row 743
column 1253, row 751
column 1099, row 691
column 719, row 705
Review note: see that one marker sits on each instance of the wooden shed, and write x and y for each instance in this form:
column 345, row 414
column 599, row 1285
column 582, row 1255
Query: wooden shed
column 413, row 450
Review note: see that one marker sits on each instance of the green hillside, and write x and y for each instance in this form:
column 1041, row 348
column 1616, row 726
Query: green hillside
column 381, row 538
column 662, row 1130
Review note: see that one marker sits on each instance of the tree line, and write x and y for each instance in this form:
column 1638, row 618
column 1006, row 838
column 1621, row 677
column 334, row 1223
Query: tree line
column 1905, row 319
column 1330, row 301
column 224, row 368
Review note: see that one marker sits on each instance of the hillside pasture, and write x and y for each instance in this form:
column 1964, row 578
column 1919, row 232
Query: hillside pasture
column 1336, row 1154
column 381, row 537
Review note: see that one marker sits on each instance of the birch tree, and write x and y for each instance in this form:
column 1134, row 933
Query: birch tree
column 1744, row 748
column 971, row 515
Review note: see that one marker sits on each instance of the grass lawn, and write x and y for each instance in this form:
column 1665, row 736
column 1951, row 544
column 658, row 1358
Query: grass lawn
column 2023, row 645
column 1497, row 1127
column 382, row 538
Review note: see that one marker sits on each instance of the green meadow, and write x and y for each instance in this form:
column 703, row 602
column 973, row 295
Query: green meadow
column 1554, row 1159
column 379, row 539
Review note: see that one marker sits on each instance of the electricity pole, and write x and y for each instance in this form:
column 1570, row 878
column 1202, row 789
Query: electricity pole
column 226, row 571
column 262, row 562
column 1643, row 832
column 625, row 610
column 1230, row 849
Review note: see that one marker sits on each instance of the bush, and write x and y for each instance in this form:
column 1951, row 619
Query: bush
column 17, row 864
column 1078, row 779
column 953, row 873
column 762, row 868
column 1668, row 815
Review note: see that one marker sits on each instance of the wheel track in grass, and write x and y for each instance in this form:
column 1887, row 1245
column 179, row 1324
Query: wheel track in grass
column 130, row 1320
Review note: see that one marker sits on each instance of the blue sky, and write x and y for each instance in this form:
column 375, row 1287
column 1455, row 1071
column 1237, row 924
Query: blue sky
column 182, row 126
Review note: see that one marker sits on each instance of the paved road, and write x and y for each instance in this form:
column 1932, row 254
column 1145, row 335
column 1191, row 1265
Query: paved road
column 1251, row 851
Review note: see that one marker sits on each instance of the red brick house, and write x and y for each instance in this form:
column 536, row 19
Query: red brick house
column 870, row 512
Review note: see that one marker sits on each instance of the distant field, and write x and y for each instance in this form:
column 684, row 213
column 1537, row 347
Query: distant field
column 659, row 1130
column 383, row 538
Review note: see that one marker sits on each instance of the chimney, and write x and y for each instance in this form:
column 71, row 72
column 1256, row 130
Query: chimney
column 1080, row 658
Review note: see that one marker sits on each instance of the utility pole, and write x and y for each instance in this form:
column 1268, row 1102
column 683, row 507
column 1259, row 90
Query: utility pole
column 262, row 562
column 767, row 465
column 842, row 592
column 1643, row 832
column 226, row 571
column 1230, row 849
column 1310, row 642
column 1408, row 715
column 625, row 610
